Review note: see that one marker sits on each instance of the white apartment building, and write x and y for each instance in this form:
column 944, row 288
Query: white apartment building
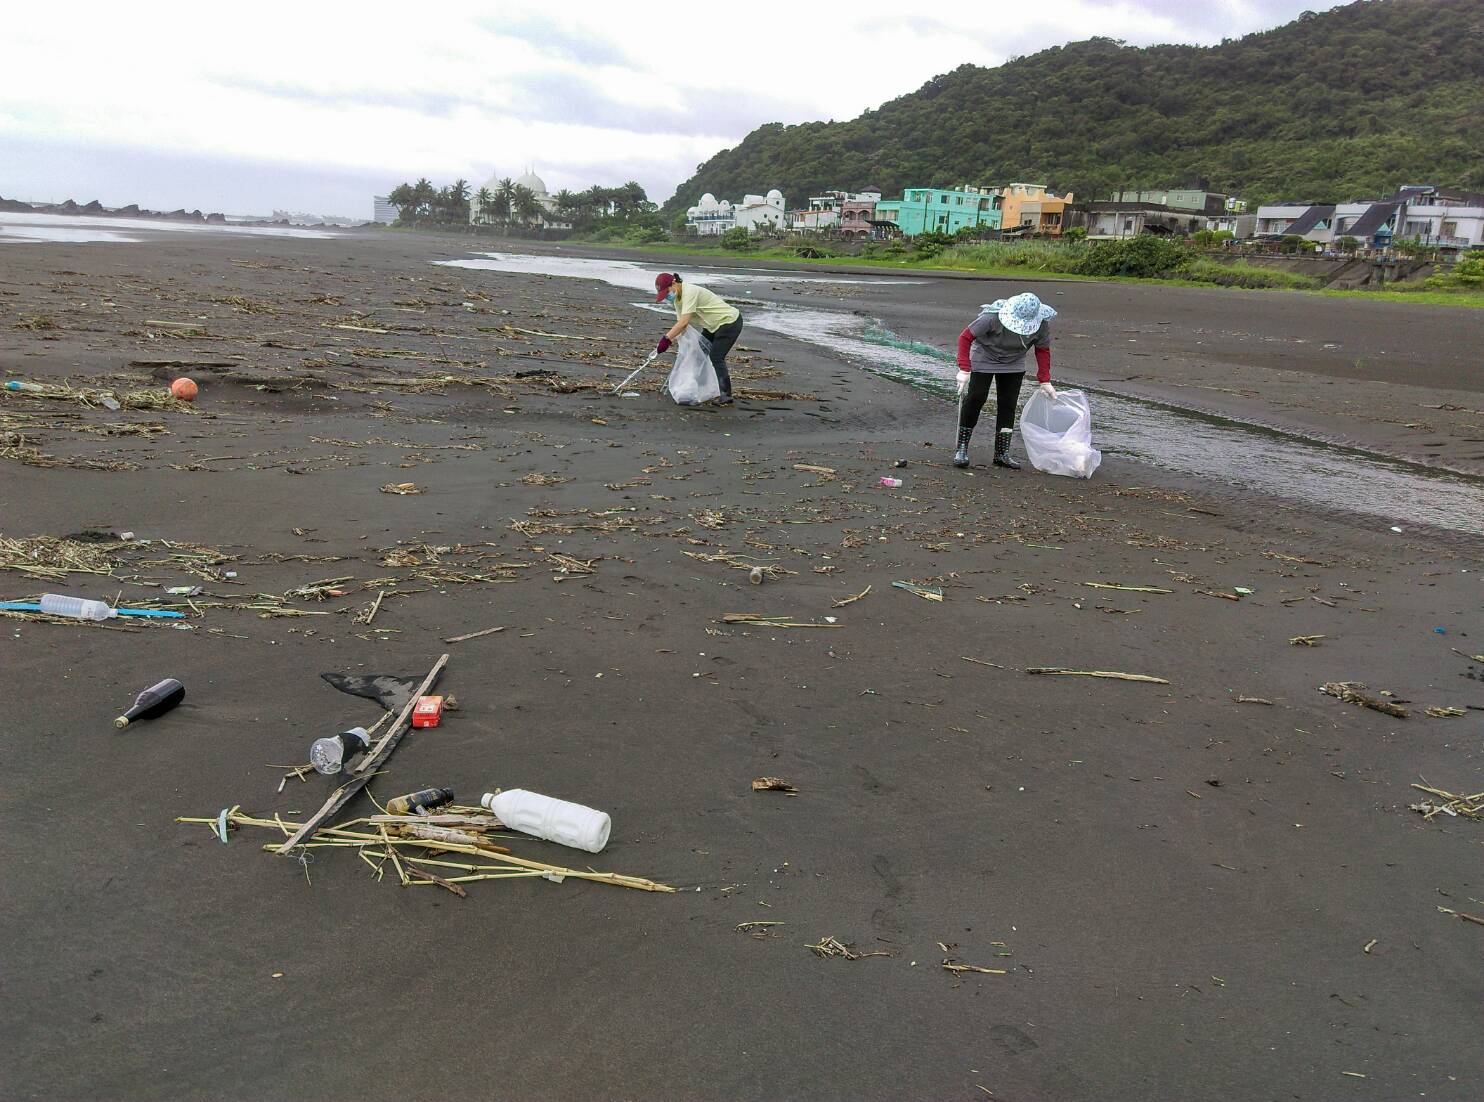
column 755, row 214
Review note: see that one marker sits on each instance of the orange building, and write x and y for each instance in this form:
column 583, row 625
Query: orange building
column 1033, row 209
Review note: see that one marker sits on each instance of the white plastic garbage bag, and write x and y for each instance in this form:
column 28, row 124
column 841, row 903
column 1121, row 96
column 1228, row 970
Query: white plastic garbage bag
column 692, row 379
column 1058, row 435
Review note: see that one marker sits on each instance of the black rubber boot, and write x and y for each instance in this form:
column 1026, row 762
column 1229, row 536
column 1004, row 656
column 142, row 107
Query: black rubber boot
column 961, row 457
column 1002, row 451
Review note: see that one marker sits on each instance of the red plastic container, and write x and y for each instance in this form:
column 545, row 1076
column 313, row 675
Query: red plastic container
column 428, row 711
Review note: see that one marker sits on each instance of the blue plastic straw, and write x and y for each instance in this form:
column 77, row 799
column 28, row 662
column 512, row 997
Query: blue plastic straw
column 158, row 614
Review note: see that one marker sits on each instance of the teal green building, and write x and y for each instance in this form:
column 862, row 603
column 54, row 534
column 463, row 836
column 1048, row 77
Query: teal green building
column 940, row 210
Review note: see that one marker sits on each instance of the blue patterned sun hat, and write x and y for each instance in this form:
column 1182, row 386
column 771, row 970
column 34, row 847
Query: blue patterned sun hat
column 1022, row 314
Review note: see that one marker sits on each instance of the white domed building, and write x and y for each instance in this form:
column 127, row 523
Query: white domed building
column 755, row 214
column 546, row 219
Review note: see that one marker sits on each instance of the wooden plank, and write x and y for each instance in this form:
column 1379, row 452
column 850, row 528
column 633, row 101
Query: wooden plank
column 373, row 761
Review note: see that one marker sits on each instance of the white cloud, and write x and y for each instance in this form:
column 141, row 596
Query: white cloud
column 598, row 93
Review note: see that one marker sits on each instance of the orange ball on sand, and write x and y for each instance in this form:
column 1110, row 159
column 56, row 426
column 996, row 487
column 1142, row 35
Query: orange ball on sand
column 184, row 389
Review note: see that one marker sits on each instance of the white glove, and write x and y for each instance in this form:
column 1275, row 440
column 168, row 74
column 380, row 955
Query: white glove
column 1049, row 390
column 963, row 382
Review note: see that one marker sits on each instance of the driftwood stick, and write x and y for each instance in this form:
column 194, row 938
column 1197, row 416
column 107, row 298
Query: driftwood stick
column 370, row 764
column 473, row 635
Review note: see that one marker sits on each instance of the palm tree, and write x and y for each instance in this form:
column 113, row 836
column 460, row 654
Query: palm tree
column 504, row 196
column 566, row 204
column 631, row 197
column 405, row 200
column 458, row 199
column 525, row 206
column 486, row 201
column 424, row 195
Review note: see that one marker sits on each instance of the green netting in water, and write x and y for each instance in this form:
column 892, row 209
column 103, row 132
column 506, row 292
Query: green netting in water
column 875, row 334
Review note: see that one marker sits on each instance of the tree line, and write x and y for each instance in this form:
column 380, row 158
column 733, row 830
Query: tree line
column 514, row 206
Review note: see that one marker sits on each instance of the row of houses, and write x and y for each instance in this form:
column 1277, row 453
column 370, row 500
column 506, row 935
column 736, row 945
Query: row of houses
column 1428, row 215
column 1018, row 208
column 1423, row 214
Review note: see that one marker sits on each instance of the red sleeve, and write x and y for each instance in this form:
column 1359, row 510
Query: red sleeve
column 965, row 340
column 1043, row 365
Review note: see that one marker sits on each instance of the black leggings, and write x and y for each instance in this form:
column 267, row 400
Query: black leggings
column 1007, row 393
column 721, row 343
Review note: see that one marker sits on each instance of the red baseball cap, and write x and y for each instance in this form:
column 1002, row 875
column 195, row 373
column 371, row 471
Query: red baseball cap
column 662, row 284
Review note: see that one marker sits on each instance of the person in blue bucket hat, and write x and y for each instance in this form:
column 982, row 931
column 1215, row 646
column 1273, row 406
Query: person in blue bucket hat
column 992, row 351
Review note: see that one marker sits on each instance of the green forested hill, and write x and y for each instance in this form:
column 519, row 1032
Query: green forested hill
column 1341, row 105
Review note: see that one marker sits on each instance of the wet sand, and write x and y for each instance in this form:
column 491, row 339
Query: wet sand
column 1180, row 888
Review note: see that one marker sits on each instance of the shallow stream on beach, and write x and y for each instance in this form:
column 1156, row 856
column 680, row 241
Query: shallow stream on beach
column 1245, row 456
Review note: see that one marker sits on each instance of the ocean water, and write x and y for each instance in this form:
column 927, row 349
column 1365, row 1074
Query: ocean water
column 33, row 229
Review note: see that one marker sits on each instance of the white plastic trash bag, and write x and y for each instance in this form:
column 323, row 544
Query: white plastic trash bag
column 692, row 379
column 1058, row 435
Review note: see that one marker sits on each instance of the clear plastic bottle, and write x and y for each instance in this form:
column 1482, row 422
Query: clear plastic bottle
column 328, row 755
column 78, row 608
column 559, row 821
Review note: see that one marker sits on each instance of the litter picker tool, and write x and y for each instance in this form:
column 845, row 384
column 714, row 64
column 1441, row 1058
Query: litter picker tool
column 651, row 358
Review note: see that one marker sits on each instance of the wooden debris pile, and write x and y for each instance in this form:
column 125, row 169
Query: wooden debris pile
column 1352, row 692
column 446, row 850
column 1444, row 802
column 831, row 946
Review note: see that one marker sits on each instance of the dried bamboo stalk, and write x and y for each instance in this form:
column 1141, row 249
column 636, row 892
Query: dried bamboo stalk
column 1059, row 671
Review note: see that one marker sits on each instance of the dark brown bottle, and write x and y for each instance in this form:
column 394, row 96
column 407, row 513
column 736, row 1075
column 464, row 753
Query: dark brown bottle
column 420, row 802
column 155, row 701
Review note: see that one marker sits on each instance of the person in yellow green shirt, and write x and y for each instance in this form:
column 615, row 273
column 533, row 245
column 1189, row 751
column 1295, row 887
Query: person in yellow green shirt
column 720, row 322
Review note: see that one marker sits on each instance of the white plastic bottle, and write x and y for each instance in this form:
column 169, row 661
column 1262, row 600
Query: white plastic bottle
column 559, row 821
column 79, row 608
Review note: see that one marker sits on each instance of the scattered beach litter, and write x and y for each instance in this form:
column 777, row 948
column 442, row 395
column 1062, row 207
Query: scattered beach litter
column 425, row 837
column 426, row 820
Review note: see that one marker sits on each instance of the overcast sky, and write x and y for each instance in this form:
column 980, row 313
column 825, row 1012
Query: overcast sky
column 314, row 106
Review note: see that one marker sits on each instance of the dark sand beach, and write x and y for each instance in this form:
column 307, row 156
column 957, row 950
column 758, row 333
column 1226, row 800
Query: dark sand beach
column 1207, row 889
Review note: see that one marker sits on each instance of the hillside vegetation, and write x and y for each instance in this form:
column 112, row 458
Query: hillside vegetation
column 1345, row 104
